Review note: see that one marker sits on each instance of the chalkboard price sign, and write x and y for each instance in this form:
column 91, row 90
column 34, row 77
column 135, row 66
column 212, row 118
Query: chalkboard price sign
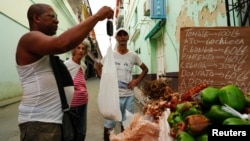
column 217, row 56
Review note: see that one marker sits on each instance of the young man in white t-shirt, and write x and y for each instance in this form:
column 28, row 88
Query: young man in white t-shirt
column 124, row 61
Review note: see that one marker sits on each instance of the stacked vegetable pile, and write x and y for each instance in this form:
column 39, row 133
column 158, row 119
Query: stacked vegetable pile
column 201, row 106
column 160, row 95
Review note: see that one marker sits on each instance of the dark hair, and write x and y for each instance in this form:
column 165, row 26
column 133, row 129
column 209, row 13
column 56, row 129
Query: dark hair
column 38, row 9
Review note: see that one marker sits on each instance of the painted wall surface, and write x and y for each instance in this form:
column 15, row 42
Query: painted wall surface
column 189, row 13
column 10, row 34
column 179, row 13
column 134, row 19
column 16, row 10
column 13, row 24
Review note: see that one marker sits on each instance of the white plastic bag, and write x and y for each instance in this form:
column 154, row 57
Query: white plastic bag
column 164, row 134
column 129, row 118
column 140, row 129
column 108, row 96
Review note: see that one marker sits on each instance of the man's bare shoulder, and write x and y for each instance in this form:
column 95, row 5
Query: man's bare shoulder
column 31, row 39
column 31, row 36
column 28, row 48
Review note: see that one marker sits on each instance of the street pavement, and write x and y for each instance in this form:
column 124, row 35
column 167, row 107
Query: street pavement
column 8, row 116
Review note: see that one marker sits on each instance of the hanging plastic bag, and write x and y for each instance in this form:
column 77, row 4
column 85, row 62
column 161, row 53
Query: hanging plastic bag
column 108, row 96
column 164, row 134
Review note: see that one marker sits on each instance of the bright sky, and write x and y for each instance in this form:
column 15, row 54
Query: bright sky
column 100, row 28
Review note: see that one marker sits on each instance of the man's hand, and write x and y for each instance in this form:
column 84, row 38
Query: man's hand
column 104, row 12
column 98, row 68
column 132, row 84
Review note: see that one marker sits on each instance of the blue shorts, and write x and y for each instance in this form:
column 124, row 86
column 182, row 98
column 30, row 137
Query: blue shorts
column 126, row 103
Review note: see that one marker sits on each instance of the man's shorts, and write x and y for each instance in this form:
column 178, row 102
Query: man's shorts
column 40, row 131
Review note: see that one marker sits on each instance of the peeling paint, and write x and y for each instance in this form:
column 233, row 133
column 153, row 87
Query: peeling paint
column 183, row 21
column 199, row 13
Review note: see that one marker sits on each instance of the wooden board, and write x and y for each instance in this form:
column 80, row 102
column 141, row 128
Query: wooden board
column 215, row 55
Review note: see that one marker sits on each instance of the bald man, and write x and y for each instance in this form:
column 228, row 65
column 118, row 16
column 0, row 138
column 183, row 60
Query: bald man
column 40, row 111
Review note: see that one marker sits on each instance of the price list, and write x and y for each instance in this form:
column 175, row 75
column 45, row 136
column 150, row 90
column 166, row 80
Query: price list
column 214, row 55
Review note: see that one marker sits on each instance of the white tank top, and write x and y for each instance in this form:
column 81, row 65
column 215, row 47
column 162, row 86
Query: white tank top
column 41, row 100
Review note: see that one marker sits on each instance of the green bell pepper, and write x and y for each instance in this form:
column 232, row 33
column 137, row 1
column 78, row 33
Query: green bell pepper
column 210, row 96
column 181, row 107
column 184, row 136
column 188, row 108
column 217, row 115
column 203, row 137
column 235, row 121
column 174, row 118
column 233, row 97
column 191, row 111
column 178, row 119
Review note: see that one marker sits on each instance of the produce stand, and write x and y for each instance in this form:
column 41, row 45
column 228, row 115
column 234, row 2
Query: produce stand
column 183, row 116
column 213, row 89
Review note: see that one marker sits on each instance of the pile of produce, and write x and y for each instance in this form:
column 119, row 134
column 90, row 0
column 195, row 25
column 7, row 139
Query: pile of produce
column 201, row 106
column 160, row 96
column 157, row 89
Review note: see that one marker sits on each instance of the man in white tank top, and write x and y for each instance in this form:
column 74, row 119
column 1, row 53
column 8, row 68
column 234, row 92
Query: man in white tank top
column 40, row 111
